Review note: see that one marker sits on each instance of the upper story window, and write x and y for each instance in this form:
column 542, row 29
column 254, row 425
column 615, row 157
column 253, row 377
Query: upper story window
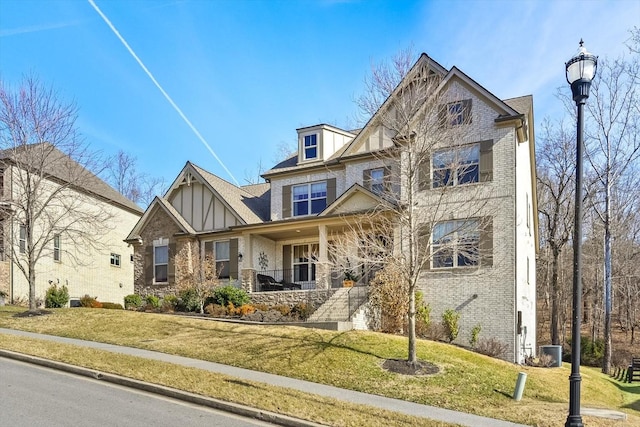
column 309, row 198
column 310, row 147
column 456, row 166
column 161, row 263
column 56, row 247
column 456, row 244
column 377, row 180
column 222, row 259
column 115, row 260
column 456, row 113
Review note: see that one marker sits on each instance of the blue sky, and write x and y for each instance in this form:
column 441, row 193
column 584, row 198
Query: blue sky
column 246, row 74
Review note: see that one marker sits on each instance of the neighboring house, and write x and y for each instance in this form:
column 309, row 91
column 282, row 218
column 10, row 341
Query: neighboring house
column 277, row 236
column 100, row 266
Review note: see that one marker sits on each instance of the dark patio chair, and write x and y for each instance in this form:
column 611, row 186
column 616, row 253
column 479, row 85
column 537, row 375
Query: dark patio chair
column 268, row 283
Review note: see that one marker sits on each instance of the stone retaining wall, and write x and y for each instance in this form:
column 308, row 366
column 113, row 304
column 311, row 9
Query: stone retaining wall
column 315, row 297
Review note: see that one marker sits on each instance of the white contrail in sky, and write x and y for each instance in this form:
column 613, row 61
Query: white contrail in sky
column 166, row 95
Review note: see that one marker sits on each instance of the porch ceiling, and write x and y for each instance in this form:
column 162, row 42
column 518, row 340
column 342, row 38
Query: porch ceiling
column 293, row 232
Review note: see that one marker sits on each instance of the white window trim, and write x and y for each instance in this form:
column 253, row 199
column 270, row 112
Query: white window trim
column 57, row 251
column 455, row 244
column 160, row 243
column 117, row 258
column 216, row 260
column 309, row 199
column 22, row 239
column 311, row 262
column 373, row 183
column 453, row 168
column 303, row 147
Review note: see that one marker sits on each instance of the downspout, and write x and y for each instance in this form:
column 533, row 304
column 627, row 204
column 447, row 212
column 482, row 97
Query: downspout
column 515, row 243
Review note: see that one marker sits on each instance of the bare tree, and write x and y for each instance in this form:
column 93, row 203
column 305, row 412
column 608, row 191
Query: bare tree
column 634, row 40
column 48, row 188
column 196, row 271
column 612, row 140
column 121, row 171
column 556, row 170
column 409, row 227
column 614, row 149
column 626, row 263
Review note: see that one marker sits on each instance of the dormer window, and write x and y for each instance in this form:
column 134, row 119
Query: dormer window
column 311, row 147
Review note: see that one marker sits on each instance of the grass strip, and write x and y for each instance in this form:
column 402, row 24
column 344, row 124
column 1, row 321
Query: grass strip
column 467, row 381
column 280, row 400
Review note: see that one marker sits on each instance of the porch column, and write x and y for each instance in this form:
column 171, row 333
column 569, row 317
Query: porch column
column 248, row 272
column 247, row 250
column 323, row 269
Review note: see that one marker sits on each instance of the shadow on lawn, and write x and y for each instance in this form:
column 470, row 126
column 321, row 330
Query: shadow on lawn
column 311, row 338
column 633, row 389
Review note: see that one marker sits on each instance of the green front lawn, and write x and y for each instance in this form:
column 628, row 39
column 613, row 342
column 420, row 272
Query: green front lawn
column 467, row 381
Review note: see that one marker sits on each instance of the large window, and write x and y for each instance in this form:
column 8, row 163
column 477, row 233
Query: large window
column 311, row 147
column 309, row 198
column 456, row 166
column 56, row 247
column 456, row 244
column 304, row 259
column 222, row 259
column 161, row 263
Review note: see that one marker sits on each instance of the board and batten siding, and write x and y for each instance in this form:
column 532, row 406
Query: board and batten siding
column 202, row 209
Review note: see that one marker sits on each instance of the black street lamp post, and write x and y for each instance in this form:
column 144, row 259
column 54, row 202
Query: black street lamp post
column 581, row 69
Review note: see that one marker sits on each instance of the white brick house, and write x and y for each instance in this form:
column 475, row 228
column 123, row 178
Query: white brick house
column 99, row 266
column 282, row 229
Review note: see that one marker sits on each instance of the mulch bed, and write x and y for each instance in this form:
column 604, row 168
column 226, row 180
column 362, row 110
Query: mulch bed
column 404, row 367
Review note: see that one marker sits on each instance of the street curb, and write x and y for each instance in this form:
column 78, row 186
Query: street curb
column 234, row 408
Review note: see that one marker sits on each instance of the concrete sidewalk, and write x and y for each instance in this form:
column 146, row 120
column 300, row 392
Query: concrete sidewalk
column 395, row 405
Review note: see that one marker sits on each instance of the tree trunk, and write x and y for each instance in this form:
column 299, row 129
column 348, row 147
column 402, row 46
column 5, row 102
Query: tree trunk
column 32, row 287
column 555, row 296
column 413, row 358
column 606, row 359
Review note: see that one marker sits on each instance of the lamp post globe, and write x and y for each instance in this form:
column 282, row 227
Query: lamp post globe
column 580, row 71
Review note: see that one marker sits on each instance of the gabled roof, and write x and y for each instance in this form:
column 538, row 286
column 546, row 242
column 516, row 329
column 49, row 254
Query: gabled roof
column 507, row 109
column 248, row 202
column 350, row 194
column 62, row 168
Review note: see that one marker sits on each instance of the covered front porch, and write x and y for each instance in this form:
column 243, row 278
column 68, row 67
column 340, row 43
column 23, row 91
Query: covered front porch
column 299, row 256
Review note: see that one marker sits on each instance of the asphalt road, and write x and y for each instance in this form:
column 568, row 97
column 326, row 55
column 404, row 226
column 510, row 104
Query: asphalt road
column 35, row 396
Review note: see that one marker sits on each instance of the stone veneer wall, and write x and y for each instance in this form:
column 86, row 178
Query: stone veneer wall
column 159, row 225
column 315, row 297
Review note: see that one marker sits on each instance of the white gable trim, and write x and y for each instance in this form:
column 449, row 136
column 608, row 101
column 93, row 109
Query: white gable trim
column 189, row 169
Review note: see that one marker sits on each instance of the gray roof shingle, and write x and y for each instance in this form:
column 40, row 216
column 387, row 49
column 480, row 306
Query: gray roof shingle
column 59, row 166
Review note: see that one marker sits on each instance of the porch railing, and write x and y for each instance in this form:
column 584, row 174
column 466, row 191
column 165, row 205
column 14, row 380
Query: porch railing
column 291, row 279
column 358, row 295
column 280, row 280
